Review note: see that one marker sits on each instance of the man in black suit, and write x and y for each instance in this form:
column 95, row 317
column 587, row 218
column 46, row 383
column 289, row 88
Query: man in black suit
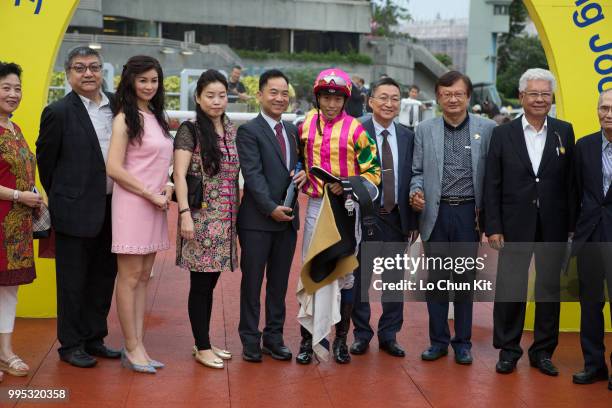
column 71, row 153
column 529, row 198
column 396, row 222
column 267, row 230
column 593, row 174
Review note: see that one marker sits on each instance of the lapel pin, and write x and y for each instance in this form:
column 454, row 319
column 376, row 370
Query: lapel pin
column 561, row 148
column 476, row 136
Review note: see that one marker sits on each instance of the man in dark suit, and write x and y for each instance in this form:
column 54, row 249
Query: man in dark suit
column 267, row 230
column 529, row 198
column 397, row 221
column 593, row 175
column 71, row 153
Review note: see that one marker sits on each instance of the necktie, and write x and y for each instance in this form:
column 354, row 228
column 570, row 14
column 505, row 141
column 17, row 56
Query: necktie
column 388, row 177
column 281, row 140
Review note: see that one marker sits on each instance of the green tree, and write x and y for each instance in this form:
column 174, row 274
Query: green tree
column 444, row 59
column 523, row 53
column 386, row 15
column 517, row 52
column 518, row 17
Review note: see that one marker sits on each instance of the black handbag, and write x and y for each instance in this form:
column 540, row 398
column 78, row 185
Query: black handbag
column 195, row 190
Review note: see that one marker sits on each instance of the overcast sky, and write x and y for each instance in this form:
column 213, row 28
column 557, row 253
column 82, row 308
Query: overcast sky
column 428, row 9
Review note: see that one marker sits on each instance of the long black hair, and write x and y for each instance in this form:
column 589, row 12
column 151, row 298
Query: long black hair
column 127, row 101
column 209, row 140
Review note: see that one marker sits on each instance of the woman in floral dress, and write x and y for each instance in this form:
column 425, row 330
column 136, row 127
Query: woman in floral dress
column 206, row 244
column 17, row 172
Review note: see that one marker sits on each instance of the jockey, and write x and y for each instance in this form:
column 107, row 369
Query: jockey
column 338, row 144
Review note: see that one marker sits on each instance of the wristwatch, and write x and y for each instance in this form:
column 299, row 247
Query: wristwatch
column 15, row 195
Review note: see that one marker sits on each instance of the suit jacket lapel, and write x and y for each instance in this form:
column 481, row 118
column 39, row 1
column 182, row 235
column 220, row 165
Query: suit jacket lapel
column 293, row 150
column 518, row 141
column 402, row 149
column 271, row 137
column 438, row 142
column 475, row 139
column 595, row 158
column 85, row 122
column 551, row 145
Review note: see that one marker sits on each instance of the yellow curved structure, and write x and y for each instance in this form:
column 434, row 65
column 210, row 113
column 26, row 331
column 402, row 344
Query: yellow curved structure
column 577, row 39
column 31, row 32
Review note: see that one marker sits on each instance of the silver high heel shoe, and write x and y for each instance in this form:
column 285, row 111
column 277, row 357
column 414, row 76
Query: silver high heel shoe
column 156, row 364
column 139, row 368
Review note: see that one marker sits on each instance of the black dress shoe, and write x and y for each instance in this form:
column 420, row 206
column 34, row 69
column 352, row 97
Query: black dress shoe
column 277, row 351
column 463, row 357
column 589, row 377
column 79, row 358
column 103, row 351
column 546, row 367
column 392, row 348
column 359, row 346
column 305, row 355
column 433, row 353
column 505, row 366
column 252, row 354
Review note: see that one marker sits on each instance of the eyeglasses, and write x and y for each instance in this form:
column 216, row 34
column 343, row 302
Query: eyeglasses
column 536, row 95
column 386, row 99
column 605, row 110
column 81, row 68
column 457, row 95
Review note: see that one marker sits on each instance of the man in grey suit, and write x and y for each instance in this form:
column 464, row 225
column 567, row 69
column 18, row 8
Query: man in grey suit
column 267, row 230
column 448, row 173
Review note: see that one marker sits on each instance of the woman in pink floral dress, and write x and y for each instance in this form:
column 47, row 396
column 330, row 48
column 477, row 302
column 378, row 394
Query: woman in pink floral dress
column 207, row 234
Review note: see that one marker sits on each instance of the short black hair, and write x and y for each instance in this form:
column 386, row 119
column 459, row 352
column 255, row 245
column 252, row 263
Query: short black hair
column 451, row 77
column 413, row 86
column 269, row 74
column 8, row 68
column 236, row 67
column 384, row 81
column 81, row 51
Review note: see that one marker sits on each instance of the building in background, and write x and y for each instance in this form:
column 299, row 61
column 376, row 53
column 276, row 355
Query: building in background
column 198, row 34
column 488, row 20
column 442, row 36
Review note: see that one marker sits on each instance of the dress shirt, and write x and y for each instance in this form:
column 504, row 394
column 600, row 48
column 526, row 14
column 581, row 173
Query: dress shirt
column 392, row 138
column 535, row 141
column 273, row 124
column 102, row 120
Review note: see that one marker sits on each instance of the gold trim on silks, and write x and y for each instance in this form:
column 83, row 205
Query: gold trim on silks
column 325, row 235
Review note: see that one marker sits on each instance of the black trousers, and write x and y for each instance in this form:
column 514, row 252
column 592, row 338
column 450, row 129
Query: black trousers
column 269, row 253
column 509, row 317
column 200, row 306
column 392, row 317
column 85, row 275
column 594, row 269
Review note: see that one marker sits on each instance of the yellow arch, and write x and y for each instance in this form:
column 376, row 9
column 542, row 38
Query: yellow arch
column 577, row 40
column 32, row 32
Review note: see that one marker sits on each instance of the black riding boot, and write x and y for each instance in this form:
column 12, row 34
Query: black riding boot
column 305, row 354
column 340, row 349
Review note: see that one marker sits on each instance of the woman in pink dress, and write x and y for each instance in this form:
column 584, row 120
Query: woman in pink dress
column 139, row 157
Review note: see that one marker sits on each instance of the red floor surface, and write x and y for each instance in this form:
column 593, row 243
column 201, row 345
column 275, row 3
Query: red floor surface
column 372, row 380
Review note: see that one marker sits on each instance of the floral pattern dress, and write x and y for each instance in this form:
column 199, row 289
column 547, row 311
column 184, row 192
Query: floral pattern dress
column 17, row 171
column 214, row 247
